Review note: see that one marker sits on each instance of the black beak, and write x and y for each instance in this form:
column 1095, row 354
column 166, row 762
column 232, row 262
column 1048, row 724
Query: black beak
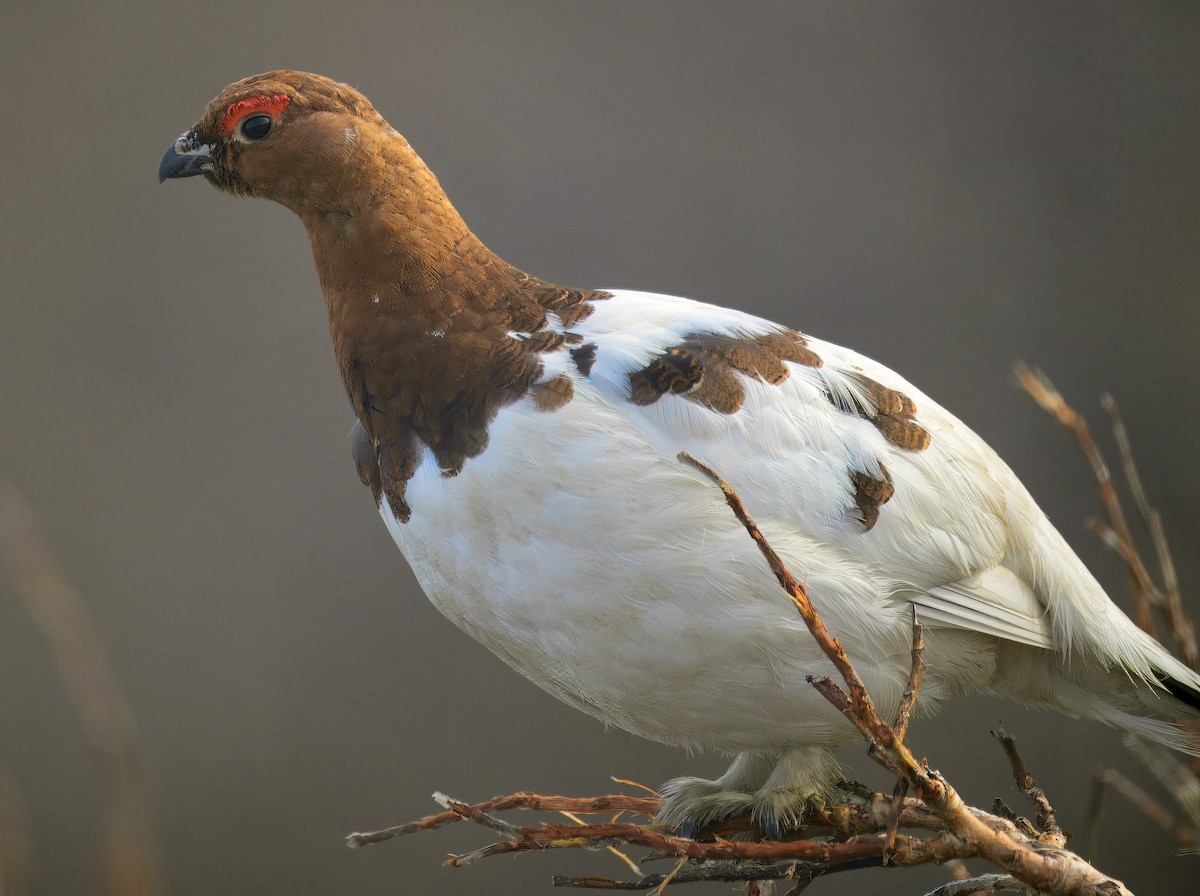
column 186, row 157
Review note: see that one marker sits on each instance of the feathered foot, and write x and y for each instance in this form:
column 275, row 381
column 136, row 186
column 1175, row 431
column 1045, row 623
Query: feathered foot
column 776, row 789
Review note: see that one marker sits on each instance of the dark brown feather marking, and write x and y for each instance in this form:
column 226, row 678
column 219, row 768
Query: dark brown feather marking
column 675, row 371
column 398, row 461
column 584, row 357
column 571, row 305
column 365, row 460
column 870, row 494
column 905, row 433
column 892, row 412
column 553, row 393
column 702, row 368
column 546, row 341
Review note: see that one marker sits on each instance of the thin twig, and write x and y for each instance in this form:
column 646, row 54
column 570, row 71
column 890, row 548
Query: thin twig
column 657, row 891
column 471, row 813
column 889, row 839
column 985, row 883
column 630, row 863
column 1091, row 824
column 904, row 710
column 555, row 836
column 586, row 805
column 1129, row 553
column 900, row 727
column 1047, row 823
column 858, row 706
column 717, row 871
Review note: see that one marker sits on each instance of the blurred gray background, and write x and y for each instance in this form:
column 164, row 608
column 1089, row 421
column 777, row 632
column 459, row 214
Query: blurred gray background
column 944, row 186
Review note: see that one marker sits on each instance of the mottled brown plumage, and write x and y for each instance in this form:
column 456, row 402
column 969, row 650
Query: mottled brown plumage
column 892, row 412
column 871, row 493
column 553, row 393
column 895, row 417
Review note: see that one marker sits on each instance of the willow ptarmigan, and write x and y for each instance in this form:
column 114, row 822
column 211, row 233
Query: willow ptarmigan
column 521, row 440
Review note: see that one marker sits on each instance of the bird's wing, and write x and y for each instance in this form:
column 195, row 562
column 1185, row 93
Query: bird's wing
column 827, row 445
column 995, row 602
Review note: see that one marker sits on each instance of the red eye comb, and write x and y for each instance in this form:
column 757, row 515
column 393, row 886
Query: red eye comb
column 272, row 104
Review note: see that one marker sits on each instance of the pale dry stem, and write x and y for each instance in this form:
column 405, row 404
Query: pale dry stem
column 62, row 616
column 1182, row 782
column 1043, row 392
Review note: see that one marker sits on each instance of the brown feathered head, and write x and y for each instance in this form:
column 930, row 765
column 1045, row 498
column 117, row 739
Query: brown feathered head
column 277, row 135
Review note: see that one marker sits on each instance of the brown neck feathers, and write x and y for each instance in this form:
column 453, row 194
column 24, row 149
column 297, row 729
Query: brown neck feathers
column 421, row 312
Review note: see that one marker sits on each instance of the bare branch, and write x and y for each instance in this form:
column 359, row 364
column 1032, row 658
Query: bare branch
column 985, row 883
column 904, row 710
column 471, row 813
column 859, row 707
column 645, row 806
column 1047, row 823
column 1183, row 783
column 718, row 871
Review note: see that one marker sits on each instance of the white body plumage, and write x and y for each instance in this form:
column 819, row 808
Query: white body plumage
column 572, row 542
column 582, row 552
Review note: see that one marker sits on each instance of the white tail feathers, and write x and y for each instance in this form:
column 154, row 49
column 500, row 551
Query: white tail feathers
column 1159, row 700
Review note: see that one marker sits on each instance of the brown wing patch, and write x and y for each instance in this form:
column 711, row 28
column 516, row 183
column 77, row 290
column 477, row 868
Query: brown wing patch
column 675, row 371
column 584, row 357
column 892, row 412
column 870, row 494
column 702, row 368
column 895, row 417
column 553, row 393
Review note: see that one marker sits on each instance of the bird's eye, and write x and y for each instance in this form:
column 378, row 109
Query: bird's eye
column 255, row 127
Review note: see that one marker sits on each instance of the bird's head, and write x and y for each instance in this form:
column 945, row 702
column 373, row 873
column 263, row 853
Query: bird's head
column 282, row 135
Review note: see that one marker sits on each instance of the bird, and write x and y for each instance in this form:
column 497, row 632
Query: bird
column 521, row 441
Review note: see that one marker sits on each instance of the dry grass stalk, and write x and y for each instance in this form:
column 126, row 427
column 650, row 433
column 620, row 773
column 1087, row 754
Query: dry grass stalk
column 1147, row 593
column 1181, row 781
column 16, row 852
column 62, row 616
